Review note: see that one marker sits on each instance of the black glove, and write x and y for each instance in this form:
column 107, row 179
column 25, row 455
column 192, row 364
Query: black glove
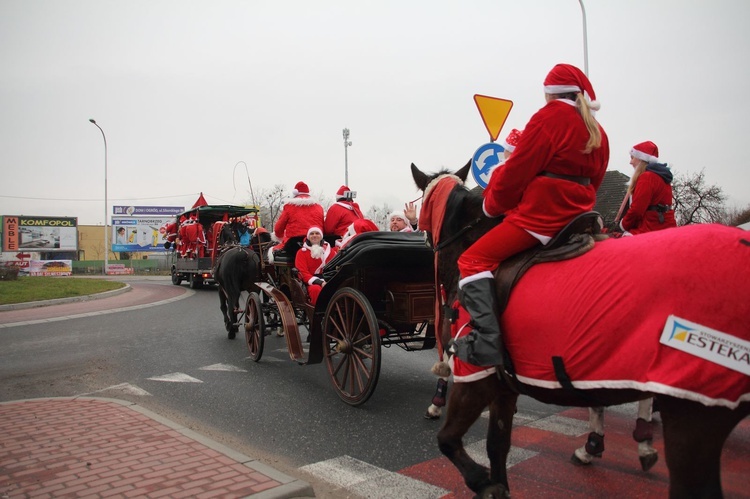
column 319, row 282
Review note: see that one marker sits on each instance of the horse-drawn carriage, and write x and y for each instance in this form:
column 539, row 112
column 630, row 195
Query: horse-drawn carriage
column 379, row 292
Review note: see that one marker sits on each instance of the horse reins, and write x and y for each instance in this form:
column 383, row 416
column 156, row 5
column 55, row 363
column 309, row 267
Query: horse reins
column 445, row 242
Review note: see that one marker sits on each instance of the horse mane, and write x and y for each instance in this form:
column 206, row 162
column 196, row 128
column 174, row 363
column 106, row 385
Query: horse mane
column 463, row 212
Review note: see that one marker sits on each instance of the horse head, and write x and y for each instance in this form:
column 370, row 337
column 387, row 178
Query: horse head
column 451, row 217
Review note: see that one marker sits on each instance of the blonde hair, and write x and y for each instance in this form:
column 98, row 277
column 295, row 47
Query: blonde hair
column 582, row 105
column 595, row 135
column 637, row 173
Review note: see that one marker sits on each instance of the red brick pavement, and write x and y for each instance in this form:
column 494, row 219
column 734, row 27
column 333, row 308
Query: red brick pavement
column 94, row 447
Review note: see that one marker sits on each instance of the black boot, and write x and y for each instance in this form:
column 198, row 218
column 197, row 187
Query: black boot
column 483, row 345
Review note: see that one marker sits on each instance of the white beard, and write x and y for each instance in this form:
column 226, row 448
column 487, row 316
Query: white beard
column 317, row 252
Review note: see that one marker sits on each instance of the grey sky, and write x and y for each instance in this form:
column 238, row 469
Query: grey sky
column 186, row 89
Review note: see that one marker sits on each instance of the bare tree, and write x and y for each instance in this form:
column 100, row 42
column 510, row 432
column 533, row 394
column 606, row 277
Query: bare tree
column 271, row 203
column 737, row 216
column 379, row 215
column 695, row 202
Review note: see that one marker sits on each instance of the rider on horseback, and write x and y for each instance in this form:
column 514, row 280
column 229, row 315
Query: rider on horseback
column 551, row 178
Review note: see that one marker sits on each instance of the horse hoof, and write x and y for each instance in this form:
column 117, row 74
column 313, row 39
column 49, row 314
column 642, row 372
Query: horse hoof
column 495, row 491
column 231, row 335
column 648, row 462
column 578, row 461
column 431, row 417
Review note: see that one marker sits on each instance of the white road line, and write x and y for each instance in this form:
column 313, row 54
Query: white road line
column 222, row 367
column 176, row 378
column 370, row 481
column 122, row 387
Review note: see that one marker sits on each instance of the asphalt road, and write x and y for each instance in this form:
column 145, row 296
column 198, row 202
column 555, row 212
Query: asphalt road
column 175, row 359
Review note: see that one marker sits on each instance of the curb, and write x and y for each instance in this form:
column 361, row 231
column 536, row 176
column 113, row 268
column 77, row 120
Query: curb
column 70, row 299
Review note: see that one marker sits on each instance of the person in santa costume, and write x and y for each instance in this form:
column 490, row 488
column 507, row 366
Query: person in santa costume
column 650, row 192
column 299, row 214
column 510, row 142
column 355, row 228
column 311, row 258
column 342, row 213
column 404, row 221
column 551, row 177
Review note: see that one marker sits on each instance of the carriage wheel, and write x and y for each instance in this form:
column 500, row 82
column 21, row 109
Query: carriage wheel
column 351, row 346
column 254, row 327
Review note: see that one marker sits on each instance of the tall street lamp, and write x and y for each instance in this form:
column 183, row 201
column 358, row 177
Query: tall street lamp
column 347, row 143
column 106, row 250
column 585, row 41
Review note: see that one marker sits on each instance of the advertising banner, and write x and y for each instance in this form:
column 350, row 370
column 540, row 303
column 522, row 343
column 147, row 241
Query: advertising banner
column 23, row 233
column 138, row 234
column 147, row 211
column 50, row 267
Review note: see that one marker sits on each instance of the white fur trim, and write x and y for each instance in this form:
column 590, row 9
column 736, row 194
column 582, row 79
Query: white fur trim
column 482, row 275
column 270, row 255
column 643, row 156
column 561, row 89
column 302, row 201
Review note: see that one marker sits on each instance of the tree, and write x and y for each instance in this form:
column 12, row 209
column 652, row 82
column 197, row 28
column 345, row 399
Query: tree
column 379, row 215
column 695, row 202
column 271, row 203
column 737, row 216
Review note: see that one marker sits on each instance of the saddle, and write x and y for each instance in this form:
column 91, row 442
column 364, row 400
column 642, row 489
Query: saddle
column 573, row 240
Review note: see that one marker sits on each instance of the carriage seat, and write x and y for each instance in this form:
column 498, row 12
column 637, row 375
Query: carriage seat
column 381, row 248
column 286, row 255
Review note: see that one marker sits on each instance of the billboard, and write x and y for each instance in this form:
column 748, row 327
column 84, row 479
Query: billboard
column 147, row 211
column 135, row 234
column 25, row 233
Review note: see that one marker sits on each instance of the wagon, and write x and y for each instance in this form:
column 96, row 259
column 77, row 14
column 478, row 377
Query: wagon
column 379, row 293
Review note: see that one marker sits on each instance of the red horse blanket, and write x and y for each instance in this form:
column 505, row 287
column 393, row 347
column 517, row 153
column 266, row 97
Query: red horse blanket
column 666, row 312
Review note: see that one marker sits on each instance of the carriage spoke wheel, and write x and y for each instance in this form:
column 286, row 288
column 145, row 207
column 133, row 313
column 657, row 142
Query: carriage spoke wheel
column 254, row 327
column 351, row 346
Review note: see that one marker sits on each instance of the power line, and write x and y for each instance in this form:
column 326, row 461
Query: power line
column 97, row 200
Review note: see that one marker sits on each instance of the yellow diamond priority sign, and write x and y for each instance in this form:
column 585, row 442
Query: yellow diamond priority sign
column 494, row 112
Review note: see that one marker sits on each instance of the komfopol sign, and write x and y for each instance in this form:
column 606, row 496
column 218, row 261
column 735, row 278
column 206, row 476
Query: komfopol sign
column 24, row 233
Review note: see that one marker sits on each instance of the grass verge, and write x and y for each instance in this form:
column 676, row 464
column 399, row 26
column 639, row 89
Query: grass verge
column 26, row 289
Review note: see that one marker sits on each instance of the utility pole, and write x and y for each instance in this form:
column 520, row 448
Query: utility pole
column 347, row 143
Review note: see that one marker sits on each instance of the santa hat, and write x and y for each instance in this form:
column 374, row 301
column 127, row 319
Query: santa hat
column 398, row 214
column 300, row 188
column 340, row 194
column 646, row 151
column 512, row 140
column 357, row 227
column 565, row 78
column 314, row 228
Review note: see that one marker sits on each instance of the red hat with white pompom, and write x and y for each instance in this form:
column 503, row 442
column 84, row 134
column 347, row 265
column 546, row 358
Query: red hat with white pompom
column 565, row 78
column 300, row 188
column 646, row 151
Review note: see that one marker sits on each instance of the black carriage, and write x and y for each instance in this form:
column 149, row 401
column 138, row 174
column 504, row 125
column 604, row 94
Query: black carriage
column 380, row 292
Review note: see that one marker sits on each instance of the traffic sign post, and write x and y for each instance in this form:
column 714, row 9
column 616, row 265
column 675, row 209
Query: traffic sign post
column 488, row 157
column 494, row 112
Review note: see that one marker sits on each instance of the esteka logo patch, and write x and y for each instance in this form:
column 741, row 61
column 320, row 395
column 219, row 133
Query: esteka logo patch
column 706, row 343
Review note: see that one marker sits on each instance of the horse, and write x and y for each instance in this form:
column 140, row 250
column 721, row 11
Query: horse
column 577, row 339
column 236, row 269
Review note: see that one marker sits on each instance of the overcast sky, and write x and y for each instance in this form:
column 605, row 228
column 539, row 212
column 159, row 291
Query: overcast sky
column 185, row 90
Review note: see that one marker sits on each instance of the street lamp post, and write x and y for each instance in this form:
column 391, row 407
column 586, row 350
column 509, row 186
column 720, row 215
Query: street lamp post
column 585, row 41
column 106, row 250
column 347, row 143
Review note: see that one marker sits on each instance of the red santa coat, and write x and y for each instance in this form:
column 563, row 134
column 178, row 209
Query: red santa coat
column 650, row 190
column 340, row 216
column 552, row 142
column 309, row 266
column 299, row 214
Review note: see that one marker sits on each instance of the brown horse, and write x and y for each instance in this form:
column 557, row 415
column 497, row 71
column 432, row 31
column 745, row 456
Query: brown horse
column 236, row 269
column 587, row 333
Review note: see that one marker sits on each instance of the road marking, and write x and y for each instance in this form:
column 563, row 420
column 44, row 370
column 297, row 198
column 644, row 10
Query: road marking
column 370, row 481
column 176, row 378
column 222, row 367
column 122, row 387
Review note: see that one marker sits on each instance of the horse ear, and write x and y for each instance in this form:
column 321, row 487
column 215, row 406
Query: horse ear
column 463, row 173
column 419, row 178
